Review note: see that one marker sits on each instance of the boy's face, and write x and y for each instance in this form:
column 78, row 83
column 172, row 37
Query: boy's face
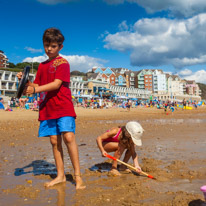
column 52, row 49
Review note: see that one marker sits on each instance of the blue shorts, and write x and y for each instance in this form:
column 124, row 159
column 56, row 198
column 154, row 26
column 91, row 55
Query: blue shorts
column 56, row 126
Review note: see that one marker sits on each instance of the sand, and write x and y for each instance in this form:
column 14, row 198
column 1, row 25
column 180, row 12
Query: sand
column 173, row 151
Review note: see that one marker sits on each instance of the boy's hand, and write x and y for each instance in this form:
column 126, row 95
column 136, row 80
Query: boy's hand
column 19, row 75
column 29, row 90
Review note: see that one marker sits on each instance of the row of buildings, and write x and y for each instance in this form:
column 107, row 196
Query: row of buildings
column 3, row 60
column 79, row 87
column 115, row 82
column 155, row 80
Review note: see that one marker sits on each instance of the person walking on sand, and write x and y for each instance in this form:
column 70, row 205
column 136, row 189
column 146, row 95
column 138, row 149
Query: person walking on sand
column 56, row 110
column 119, row 139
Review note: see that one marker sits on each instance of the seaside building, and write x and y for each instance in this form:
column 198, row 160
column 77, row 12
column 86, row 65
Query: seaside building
column 192, row 88
column 3, row 60
column 124, row 92
column 9, row 82
column 120, row 80
column 131, row 79
column 145, row 79
column 79, row 87
column 159, row 82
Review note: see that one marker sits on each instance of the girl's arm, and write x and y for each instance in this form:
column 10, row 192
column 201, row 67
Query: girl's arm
column 117, row 155
column 135, row 159
column 104, row 136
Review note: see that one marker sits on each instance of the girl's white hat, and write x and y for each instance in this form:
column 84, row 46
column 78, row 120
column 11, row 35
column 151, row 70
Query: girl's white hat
column 135, row 130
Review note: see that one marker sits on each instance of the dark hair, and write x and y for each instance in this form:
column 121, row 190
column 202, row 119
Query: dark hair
column 125, row 138
column 53, row 35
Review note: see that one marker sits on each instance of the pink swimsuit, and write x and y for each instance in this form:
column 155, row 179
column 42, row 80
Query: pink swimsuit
column 113, row 139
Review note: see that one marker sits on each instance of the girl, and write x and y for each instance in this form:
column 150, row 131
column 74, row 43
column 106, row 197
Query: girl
column 118, row 140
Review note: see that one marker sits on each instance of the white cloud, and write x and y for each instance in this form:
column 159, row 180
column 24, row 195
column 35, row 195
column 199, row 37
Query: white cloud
column 80, row 63
column 83, row 63
column 36, row 59
column 185, row 72
column 32, row 50
column 181, row 8
column 198, row 76
column 161, row 41
column 53, row 2
column 123, row 26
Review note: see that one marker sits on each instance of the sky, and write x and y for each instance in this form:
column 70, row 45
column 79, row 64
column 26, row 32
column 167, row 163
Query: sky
column 133, row 34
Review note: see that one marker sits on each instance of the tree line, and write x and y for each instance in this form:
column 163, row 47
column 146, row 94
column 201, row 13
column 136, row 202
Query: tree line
column 22, row 65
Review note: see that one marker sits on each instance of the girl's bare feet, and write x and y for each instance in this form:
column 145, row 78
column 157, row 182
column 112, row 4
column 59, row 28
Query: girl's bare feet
column 115, row 172
column 79, row 183
column 125, row 169
column 55, row 181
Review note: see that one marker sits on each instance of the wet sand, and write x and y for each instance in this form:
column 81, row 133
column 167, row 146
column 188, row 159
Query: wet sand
column 173, row 151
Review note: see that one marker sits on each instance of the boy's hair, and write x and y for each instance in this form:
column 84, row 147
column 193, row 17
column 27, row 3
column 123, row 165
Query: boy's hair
column 53, row 35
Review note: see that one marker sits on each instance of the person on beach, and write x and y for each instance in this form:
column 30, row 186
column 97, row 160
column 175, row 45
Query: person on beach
column 56, row 110
column 184, row 103
column 119, row 139
column 2, row 103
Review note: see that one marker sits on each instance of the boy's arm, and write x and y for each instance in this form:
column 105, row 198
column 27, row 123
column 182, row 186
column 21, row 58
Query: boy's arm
column 29, row 83
column 34, row 88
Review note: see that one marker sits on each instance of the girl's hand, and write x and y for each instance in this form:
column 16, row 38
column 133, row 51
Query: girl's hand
column 104, row 154
column 138, row 168
column 19, row 75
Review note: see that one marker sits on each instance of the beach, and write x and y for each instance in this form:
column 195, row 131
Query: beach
column 173, row 152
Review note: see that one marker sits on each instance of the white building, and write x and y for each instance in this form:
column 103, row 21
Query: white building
column 174, row 85
column 130, row 92
column 159, row 82
column 78, row 86
column 9, row 82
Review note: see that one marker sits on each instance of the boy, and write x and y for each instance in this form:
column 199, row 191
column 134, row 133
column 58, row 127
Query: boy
column 56, row 111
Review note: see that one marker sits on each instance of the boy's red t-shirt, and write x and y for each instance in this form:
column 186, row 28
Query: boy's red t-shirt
column 57, row 103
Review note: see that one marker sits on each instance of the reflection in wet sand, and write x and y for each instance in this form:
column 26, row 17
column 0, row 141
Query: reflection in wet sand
column 61, row 193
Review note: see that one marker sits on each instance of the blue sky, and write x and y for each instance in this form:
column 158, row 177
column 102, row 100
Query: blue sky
column 134, row 34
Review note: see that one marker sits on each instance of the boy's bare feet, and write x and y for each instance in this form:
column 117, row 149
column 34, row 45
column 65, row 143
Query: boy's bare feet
column 115, row 172
column 79, row 183
column 55, row 181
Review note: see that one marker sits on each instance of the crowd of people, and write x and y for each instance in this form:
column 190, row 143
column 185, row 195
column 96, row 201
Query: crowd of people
column 98, row 103
column 24, row 102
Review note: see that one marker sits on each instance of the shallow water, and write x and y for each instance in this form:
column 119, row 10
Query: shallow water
column 154, row 121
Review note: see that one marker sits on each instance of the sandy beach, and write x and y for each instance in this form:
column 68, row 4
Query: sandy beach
column 173, row 151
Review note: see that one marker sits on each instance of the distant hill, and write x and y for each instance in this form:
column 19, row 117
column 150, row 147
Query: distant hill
column 77, row 73
column 203, row 89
